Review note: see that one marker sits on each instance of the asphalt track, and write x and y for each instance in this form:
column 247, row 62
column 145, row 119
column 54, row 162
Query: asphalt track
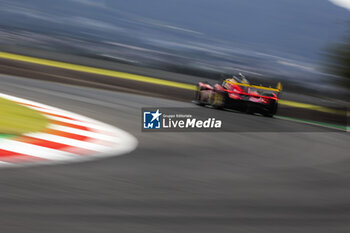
column 180, row 182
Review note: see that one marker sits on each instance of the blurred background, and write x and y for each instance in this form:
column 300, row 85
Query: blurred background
column 303, row 43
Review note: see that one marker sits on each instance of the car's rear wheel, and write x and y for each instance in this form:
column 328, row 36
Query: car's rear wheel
column 217, row 100
column 272, row 109
column 249, row 109
column 272, row 106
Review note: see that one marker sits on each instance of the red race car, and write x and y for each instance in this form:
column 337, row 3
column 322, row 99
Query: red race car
column 236, row 93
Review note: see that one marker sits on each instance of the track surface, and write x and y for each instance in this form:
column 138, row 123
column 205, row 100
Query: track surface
column 179, row 182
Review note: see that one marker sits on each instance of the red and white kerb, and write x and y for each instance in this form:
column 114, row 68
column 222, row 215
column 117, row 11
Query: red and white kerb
column 69, row 137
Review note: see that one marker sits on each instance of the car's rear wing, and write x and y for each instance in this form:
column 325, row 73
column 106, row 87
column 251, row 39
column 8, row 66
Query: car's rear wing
column 278, row 89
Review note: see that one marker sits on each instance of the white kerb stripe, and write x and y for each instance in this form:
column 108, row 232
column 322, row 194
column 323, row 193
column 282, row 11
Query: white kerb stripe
column 81, row 123
column 56, row 112
column 68, row 141
column 84, row 133
column 51, row 111
column 4, row 164
column 34, row 150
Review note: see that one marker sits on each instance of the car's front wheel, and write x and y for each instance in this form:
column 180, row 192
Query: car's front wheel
column 198, row 96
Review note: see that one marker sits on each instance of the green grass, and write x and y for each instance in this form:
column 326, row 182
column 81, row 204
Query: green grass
column 16, row 119
column 340, row 127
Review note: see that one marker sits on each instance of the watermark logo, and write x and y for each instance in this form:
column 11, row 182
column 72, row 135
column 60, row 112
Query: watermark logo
column 152, row 120
column 177, row 120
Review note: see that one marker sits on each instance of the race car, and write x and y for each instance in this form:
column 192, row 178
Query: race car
column 237, row 93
